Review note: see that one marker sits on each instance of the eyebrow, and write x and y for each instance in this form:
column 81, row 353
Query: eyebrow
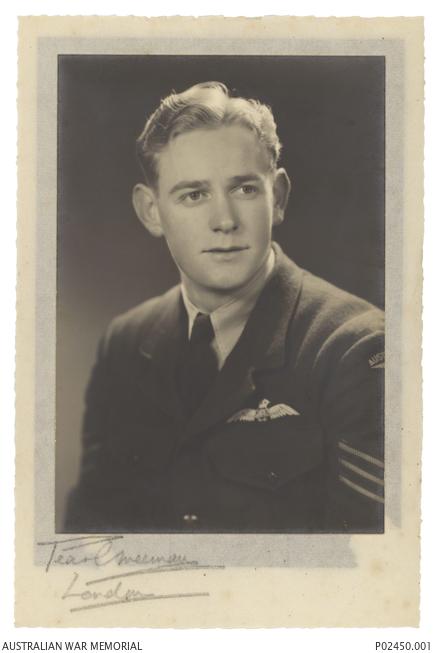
column 243, row 179
column 186, row 183
column 201, row 183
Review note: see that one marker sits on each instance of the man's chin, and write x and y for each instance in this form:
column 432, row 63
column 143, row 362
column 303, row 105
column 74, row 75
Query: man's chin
column 220, row 284
column 226, row 286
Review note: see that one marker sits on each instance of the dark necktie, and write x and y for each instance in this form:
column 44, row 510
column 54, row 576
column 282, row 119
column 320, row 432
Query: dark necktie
column 199, row 366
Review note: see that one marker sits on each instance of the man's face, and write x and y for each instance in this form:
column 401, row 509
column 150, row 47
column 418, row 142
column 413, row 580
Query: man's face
column 216, row 204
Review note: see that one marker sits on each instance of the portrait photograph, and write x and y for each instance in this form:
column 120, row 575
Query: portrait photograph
column 224, row 363
column 304, row 464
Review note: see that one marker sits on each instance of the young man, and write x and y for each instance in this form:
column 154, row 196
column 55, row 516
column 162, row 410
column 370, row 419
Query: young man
column 248, row 398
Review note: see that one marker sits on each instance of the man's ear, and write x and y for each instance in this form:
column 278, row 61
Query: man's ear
column 144, row 203
column 281, row 190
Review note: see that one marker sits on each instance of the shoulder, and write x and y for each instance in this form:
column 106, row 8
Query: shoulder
column 130, row 327
column 328, row 322
column 329, row 309
column 320, row 306
column 336, row 343
column 345, row 331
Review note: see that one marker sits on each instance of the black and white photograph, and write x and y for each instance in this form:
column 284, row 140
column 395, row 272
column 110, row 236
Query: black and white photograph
column 218, row 333
column 238, row 259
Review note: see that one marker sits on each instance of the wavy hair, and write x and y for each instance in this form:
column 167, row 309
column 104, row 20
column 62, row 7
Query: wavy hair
column 204, row 106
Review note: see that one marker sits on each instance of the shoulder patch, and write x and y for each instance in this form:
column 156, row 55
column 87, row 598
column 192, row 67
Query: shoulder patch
column 377, row 360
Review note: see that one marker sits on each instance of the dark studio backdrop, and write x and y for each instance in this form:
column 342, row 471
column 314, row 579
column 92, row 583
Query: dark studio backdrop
column 330, row 117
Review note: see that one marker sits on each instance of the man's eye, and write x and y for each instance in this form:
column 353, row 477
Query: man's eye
column 192, row 197
column 247, row 189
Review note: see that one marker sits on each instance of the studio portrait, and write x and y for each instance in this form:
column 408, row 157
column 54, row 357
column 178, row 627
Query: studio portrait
column 220, row 294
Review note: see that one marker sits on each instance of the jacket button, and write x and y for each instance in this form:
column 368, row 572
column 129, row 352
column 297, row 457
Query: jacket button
column 190, row 519
column 273, row 477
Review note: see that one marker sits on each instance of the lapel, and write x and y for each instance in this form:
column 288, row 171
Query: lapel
column 160, row 350
column 261, row 347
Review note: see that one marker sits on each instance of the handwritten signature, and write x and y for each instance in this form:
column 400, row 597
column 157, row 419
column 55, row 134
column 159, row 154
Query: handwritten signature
column 100, row 551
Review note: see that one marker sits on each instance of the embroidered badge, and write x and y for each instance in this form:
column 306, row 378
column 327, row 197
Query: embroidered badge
column 263, row 413
column 377, row 360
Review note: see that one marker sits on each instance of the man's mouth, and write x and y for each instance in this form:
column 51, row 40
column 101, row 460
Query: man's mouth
column 225, row 250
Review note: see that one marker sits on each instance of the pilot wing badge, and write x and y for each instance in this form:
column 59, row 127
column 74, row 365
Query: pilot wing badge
column 263, row 413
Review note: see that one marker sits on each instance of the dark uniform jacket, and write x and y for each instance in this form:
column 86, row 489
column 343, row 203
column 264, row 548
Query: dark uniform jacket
column 289, row 439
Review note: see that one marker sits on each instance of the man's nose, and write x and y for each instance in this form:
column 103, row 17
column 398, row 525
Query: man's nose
column 223, row 216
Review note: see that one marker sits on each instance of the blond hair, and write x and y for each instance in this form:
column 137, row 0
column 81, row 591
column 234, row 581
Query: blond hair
column 204, row 106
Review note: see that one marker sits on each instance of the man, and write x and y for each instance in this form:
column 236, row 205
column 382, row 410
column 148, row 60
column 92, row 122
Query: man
column 249, row 397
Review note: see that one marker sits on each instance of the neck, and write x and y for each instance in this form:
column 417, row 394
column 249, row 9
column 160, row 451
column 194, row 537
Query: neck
column 207, row 300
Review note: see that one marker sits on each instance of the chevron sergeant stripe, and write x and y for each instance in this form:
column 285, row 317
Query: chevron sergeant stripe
column 361, row 472
column 361, row 454
column 361, row 489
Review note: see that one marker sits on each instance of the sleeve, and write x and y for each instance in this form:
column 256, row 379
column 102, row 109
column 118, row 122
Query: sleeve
column 353, row 420
column 89, row 501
